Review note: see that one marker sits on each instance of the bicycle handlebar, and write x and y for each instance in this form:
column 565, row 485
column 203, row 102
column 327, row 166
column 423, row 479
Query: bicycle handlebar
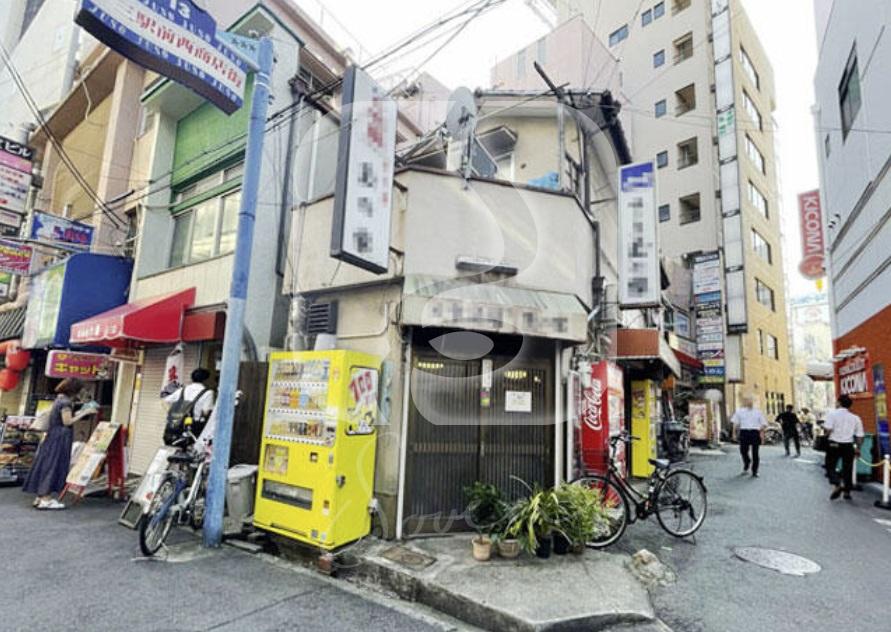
column 623, row 436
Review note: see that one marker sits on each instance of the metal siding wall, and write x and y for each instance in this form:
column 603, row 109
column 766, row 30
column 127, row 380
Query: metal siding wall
column 147, row 429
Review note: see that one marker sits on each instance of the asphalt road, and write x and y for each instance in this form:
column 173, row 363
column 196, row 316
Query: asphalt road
column 787, row 508
column 79, row 570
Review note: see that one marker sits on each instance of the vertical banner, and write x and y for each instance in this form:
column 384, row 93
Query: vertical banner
column 639, row 278
column 360, row 232
column 173, row 372
column 813, row 245
column 708, row 306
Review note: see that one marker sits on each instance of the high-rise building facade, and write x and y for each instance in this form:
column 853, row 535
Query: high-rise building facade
column 697, row 96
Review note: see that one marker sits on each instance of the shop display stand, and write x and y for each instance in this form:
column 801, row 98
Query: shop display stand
column 17, row 442
column 115, row 472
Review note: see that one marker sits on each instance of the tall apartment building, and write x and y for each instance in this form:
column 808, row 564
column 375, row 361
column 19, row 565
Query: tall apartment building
column 697, row 97
column 851, row 117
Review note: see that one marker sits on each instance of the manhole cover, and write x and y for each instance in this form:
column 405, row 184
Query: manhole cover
column 408, row 558
column 780, row 561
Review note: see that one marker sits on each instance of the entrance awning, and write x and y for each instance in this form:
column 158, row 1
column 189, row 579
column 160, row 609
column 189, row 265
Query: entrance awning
column 154, row 320
column 645, row 345
column 820, row 371
column 462, row 304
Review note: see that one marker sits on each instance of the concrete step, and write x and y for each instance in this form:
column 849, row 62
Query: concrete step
column 592, row 591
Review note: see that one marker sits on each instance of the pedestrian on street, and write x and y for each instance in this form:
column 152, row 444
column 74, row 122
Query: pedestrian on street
column 748, row 425
column 845, row 436
column 53, row 460
column 789, row 421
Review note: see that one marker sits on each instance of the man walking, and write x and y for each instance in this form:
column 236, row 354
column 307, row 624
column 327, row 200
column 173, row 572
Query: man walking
column 789, row 421
column 845, row 436
column 748, row 424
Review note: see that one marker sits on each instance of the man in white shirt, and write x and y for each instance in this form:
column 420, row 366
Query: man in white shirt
column 748, row 424
column 845, row 436
column 197, row 392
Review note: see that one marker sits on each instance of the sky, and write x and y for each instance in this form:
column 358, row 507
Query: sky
column 368, row 28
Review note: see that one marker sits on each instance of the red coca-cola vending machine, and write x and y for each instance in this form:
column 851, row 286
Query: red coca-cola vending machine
column 602, row 415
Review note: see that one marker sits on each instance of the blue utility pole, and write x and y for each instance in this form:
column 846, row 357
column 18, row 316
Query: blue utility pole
column 241, row 271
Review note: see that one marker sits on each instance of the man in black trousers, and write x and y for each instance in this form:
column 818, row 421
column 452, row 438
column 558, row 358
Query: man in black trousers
column 748, row 424
column 789, row 421
column 845, row 436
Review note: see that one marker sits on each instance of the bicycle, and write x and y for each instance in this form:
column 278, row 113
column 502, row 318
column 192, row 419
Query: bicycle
column 673, row 494
column 180, row 495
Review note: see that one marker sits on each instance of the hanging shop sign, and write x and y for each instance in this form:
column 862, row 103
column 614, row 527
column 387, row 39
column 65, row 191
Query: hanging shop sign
column 708, row 309
column 639, row 274
column 813, row 245
column 881, row 404
column 855, row 375
column 15, row 155
column 176, row 39
column 15, row 258
column 14, row 187
column 58, row 231
column 364, row 178
column 84, row 366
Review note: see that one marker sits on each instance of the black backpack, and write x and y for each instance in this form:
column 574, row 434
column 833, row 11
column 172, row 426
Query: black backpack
column 177, row 414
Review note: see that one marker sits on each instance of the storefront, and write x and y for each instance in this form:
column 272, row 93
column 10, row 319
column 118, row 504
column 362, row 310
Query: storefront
column 860, row 374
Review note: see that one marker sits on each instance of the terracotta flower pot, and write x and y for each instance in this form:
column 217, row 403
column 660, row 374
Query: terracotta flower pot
column 482, row 548
column 509, row 548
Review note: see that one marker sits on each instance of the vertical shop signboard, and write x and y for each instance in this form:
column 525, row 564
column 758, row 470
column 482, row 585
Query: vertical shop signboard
column 639, row 274
column 15, row 179
column 708, row 305
column 881, row 400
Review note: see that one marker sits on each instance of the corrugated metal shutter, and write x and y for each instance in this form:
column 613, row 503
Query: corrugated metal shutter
column 147, row 428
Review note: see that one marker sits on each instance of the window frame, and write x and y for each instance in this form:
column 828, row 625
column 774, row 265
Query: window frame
column 618, row 36
column 660, row 164
column 695, row 143
column 681, row 100
column 760, row 246
column 667, row 216
column 850, row 79
column 646, row 18
column 664, row 104
column 659, row 58
column 658, row 10
column 681, row 219
column 771, row 295
column 757, row 199
column 752, row 110
column 749, row 68
column 680, row 5
column 681, row 45
column 755, row 155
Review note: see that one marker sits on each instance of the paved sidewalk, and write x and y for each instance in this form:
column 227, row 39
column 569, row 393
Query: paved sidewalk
column 79, row 570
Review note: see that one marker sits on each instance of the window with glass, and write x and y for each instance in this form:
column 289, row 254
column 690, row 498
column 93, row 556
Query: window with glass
column 658, row 10
column 771, row 349
column 685, row 100
column 752, row 110
column 761, row 247
column 689, row 209
column 683, row 48
column 646, row 17
column 206, row 217
column 755, row 155
column 662, row 159
column 749, row 68
column 757, row 199
column 688, row 153
column 664, row 212
column 849, row 93
column 658, row 58
column 765, row 295
column 618, row 35
column 680, row 5
column 661, row 108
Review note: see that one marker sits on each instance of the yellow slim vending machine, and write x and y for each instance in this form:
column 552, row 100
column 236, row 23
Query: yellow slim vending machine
column 645, row 418
column 316, row 474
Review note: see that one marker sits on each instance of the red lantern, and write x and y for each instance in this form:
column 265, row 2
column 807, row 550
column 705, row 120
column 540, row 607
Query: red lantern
column 8, row 379
column 17, row 358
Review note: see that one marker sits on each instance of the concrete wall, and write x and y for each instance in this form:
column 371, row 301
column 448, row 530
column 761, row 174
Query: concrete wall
column 855, row 186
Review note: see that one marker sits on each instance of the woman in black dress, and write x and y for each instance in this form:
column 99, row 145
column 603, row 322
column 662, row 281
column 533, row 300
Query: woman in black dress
column 47, row 476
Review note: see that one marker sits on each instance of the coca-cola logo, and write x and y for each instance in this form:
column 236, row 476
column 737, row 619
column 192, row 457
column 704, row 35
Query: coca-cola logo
column 593, row 405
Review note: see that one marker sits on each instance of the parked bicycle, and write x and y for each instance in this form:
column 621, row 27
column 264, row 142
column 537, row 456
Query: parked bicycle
column 676, row 495
column 805, row 434
column 180, row 496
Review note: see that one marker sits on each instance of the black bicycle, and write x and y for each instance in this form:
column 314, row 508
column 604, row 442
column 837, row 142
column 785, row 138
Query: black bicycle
column 676, row 495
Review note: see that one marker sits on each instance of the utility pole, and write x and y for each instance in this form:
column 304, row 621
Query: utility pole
column 241, row 271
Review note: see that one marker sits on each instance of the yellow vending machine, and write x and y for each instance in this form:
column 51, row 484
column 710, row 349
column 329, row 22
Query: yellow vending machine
column 316, row 474
column 645, row 419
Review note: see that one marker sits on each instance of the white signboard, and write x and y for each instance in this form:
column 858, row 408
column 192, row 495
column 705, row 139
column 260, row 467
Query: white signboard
column 639, row 277
column 364, row 181
column 518, row 401
column 14, row 187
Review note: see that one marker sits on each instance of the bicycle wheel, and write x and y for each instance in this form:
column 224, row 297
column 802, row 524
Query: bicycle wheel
column 616, row 508
column 154, row 527
column 681, row 503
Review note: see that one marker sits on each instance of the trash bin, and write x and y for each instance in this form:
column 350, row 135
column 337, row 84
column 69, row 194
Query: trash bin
column 241, row 481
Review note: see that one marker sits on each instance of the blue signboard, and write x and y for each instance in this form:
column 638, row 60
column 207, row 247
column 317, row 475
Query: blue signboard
column 881, row 403
column 176, row 39
column 58, row 231
column 83, row 285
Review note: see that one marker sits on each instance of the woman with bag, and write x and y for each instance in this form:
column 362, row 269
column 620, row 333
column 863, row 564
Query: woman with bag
column 50, row 469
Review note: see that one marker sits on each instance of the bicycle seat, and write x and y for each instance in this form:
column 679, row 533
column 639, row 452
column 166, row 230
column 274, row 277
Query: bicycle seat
column 180, row 457
column 661, row 464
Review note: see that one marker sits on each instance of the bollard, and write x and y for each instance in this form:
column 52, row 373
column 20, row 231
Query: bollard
column 857, row 487
column 886, row 483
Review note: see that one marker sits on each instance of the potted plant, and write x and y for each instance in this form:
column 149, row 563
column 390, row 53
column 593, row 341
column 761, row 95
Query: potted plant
column 485, row 510
column 532, row 521
column 580, row 516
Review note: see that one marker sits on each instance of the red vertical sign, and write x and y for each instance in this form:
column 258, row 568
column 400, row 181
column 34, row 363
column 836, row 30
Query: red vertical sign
column 813, row 245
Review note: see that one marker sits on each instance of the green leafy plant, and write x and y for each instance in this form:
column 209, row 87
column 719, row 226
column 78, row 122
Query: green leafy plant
column 581, row 515
column 486, row 508
column 534, row 517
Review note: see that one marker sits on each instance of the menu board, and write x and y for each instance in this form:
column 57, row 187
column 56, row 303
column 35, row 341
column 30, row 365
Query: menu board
column 297, row 403
column 93, row 455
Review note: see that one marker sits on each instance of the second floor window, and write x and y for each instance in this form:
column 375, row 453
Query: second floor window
column 764, row 294
column 205, row 223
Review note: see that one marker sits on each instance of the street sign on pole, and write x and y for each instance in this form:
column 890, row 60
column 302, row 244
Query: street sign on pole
column 241, row 270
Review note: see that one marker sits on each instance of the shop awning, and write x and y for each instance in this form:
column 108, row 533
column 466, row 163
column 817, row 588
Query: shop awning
column 462, row 304
column 645, row 345
column 12, row 323
column 820, row 371
column 154, row 320
column 688, row 360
